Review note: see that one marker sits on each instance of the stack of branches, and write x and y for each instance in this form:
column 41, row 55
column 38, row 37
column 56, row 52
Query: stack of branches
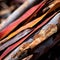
column 29, row 29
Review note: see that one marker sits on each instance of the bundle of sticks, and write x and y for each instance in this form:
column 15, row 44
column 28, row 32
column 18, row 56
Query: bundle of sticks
column 29, row 30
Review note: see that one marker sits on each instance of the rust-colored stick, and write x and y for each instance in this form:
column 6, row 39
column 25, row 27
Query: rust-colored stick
column 46, row 46
column 48, row 30
column 9, row 49
column 43, row 48
column 9, row 28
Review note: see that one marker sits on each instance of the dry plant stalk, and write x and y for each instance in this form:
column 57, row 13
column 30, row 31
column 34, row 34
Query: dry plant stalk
column 48, row 30
column 9, row 49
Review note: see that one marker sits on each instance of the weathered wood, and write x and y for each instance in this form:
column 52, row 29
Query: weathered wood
column 43, row 48
column 46, row 31
column 18, row 43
